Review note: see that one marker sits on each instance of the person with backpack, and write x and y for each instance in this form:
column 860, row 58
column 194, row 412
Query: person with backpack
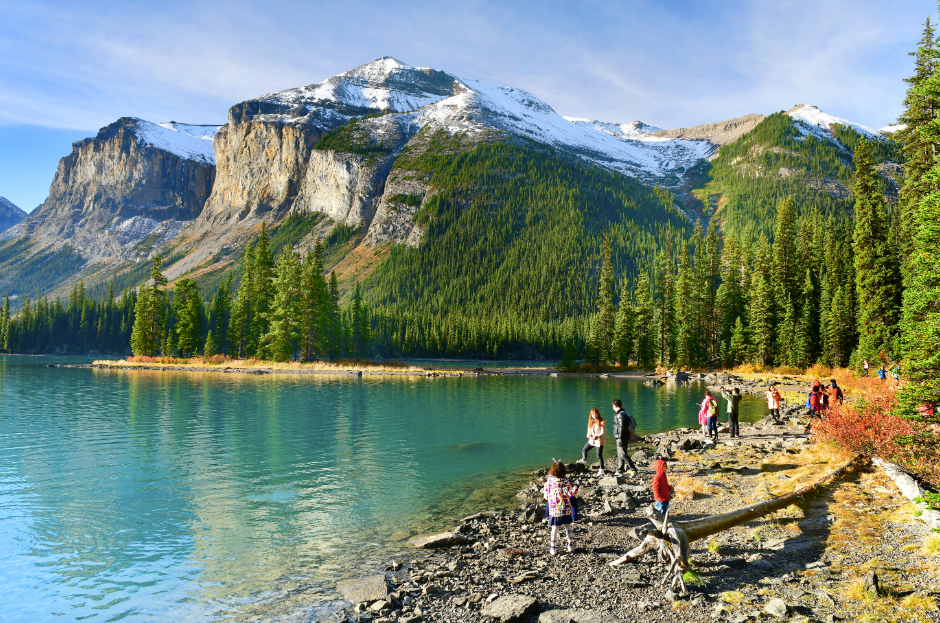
column 773, row 401
column 560, row 505
column 624, row 430
column 882, row 373
column 814, row 405
column 836, row 397
column 703, row 413
column 712, row 406
column 734, row 399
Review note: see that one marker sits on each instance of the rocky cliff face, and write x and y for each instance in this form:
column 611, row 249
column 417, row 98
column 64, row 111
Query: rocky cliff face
column 10, row 214
column 133, row 181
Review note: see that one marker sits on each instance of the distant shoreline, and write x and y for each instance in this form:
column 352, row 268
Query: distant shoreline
column 324, row 368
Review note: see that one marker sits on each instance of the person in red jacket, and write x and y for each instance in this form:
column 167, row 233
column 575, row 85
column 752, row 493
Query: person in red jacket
column 662, row 492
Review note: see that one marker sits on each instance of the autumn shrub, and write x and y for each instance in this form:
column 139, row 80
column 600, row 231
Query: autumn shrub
column 868, row 426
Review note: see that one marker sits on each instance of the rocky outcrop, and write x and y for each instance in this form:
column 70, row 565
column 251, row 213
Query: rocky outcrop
column 346, row 187
column 10, row 214
column 260, row 168
column 719, row 133
column 118, row 188
column 394, row 220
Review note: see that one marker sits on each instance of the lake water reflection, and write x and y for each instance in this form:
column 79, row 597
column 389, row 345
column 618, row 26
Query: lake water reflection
column 205, row 496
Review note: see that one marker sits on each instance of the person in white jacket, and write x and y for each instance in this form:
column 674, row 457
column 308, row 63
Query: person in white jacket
column 597, row 428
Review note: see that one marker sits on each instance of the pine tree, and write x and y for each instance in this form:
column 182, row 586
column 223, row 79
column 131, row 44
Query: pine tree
column 604, row 324
column 5, row 326
column 665, row 293
column 918, row 140
column 760, row 320
column 262, row 294
column 285, row 314
column 738, row 347
column 334, row 323
column 188, row 310
column 685, row 313
column 208, row 350
column 624, row 335
column 220, row 312
column 150, row 313
column 645, row 329
column 805, row 347
column 239, row 328
column 360, row 330
column 785, row 270
column 788, row 336
column 920, row 321
column 875, row 271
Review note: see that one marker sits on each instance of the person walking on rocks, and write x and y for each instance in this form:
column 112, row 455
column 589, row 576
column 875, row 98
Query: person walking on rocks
column 734, row 399
column 624, row 427
column 865, row 368
column 662, row 492
column 597, row 428
column 882, row 373
column 773, row 401
column 558, row 494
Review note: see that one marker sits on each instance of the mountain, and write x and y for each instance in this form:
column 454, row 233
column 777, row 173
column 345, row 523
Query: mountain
column 133, row 186
column 10, row 214
column 409, row 173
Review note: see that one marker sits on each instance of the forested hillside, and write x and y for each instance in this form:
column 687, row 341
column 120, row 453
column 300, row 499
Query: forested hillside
column 776, row 160
column 511, row 250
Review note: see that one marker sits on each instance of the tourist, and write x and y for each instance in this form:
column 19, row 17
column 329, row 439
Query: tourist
column 896, row 372
column 712, row 416
column 559, row 496
column 773, row 401
column 865, row 368
column 734, row 399
column 662, row 492
column 814, row 405
column 836, row 397
column 624, row 427
column 882, row 373
column 595, row 439
column 707, row 407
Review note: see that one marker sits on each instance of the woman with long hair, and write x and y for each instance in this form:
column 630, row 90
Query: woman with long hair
column 597, row 428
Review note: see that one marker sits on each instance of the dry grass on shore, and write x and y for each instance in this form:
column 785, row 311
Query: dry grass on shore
column 222, row 362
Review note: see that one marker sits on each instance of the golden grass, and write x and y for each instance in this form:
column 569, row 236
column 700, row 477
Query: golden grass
column 690, row 488
column 922, row 603
column 732, row 598
column 259, row 364
column 714, row 547
column 932, row 545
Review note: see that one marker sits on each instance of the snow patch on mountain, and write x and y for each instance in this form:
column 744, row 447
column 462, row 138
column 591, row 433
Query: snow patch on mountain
column 891, row 129
column 632, row 130
column 193, row 142
column 812, row 121
column 385, row 84
column 479, row 106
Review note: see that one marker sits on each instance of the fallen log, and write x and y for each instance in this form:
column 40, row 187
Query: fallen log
column 671, row 539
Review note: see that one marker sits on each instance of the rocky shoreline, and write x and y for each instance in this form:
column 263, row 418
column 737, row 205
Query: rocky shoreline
column 798, row 564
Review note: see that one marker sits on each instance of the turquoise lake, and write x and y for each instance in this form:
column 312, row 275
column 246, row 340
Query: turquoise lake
column 158, row 496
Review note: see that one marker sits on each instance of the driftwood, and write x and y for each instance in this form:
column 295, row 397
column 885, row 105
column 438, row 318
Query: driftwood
column 671, row 539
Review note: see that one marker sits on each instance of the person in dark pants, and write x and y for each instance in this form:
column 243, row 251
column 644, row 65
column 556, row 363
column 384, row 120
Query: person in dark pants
column 734, row 399
column 624, row 425
column 597, row 429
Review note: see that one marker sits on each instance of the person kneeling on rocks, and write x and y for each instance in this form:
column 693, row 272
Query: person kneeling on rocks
column 559, row 495
column 662, row 492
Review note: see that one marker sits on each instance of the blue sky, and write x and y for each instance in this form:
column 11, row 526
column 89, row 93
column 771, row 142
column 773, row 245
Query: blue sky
column 69, row 68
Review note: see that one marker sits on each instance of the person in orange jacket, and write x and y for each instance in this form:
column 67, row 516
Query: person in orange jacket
column 662, row 492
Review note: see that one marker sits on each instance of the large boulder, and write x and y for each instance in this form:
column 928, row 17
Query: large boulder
column 370, row 588
column 439, row 541
column 510, row 608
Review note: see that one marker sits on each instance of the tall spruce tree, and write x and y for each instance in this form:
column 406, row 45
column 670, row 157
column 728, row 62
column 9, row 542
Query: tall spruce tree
column 150, row 313
column 624, row 336
column 602, row 336
column 188, row 312
column 875, row 269
column 645, row 328
column 240, row 321
column 285, row 310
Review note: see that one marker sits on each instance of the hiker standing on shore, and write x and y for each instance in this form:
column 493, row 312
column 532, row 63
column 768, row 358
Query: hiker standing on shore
column 712, row 405
column 624, row 427
column 703, row 412
column 597, row 428
column 558, row 494
column 773, row 401
column 734, row 399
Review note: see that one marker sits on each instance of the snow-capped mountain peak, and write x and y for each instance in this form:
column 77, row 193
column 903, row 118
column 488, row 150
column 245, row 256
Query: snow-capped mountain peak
column 812, row 120
column 634, row 129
